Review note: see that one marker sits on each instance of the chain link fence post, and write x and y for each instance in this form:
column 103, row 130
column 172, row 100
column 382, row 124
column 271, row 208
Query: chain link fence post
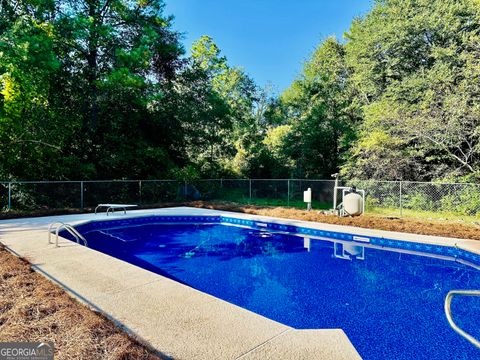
column 401, row 203
column 250, row 189
column 185, row 190
column 9, row 196
column 81, row 194
column 288, row 192
column 140, row 192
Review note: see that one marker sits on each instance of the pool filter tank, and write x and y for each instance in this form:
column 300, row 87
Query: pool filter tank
column 353, row 200
column 353, row 203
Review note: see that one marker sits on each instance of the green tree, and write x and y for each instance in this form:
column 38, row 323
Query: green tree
column 28, row 133
column 77, row 78
column 318, row 108
column 224, row 106
column 414, row 65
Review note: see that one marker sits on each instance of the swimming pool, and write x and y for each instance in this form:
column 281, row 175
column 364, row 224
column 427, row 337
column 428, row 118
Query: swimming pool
column 388, row 297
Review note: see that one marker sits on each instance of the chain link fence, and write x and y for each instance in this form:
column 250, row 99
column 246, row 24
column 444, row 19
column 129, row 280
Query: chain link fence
column 389, row 198
column 433, row 200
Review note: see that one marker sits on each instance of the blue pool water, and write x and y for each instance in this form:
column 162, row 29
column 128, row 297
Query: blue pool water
column 390, row 304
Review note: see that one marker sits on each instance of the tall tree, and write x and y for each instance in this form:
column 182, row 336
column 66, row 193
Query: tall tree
column 103, row 67
column 321, row 116
column 225, row 108
column 124, row 56
column 28, row 128
column 415, row 67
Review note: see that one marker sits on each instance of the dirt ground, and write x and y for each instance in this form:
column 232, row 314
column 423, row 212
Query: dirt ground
column 434, row 227
column 33, row 308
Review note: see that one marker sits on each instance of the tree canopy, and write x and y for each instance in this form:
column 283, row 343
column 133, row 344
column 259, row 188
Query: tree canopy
column 100, row 89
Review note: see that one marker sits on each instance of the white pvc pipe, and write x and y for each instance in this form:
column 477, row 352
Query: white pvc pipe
column 335, row 189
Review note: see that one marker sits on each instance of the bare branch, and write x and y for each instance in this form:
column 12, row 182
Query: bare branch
column 36, row 142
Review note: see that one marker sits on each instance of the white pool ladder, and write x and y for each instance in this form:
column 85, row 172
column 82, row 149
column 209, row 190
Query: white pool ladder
column 58, row 226
column 448, row 313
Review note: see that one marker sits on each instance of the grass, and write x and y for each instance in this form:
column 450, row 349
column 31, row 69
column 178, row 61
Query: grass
column 422, row 214
column 238, row 196
column 33, row 308
column 296, row 204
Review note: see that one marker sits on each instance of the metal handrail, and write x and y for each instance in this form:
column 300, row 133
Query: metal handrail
column 50, row 230
column 448, row 313
column 74, row 232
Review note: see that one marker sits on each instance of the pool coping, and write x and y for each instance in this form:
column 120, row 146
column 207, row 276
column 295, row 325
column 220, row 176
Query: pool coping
column 198, row 325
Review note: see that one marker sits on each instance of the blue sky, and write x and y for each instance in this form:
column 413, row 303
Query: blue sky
column 269, row 39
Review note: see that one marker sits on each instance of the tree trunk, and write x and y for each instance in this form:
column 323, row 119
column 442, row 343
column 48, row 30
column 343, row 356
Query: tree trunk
column 92, row 61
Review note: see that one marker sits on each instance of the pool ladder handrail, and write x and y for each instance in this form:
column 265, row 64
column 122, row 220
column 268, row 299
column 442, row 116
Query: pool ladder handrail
column 448, row 313
column 74, row 232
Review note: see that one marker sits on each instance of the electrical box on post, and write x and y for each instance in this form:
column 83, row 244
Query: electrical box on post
column 307, row 197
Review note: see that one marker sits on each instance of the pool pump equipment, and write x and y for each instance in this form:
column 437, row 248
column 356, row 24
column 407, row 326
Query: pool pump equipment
column 353, row 200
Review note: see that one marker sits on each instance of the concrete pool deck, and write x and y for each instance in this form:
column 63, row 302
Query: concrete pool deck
column 177, row 320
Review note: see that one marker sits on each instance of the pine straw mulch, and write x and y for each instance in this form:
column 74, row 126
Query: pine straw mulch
column 425, row 227
column 32, row 308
